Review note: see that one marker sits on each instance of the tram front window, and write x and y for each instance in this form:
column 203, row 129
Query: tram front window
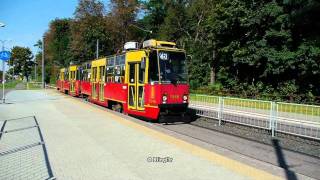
column 172, row 67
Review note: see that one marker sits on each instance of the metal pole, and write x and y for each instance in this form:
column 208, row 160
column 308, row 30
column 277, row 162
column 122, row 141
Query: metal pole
column 9, row 64
column 97, row 49
column 43, row 85
column 13, row 70
column 273, row 115
column 220, row 110
column 3, row 80
column 35, row 72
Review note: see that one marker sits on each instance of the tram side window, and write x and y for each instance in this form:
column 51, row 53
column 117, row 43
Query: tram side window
column 61, row 76
column 119, row 74
column 88, row 75
column 102, row 72
column 78, row 74
column 153, row 67
column 94, row 74
column 82, row 75
column 71, row 75
column 141, row 75
column 110, row 70
column 66, row 76
column 119, row 69
column 85, row 76
column 116, row 69
column 132, row 76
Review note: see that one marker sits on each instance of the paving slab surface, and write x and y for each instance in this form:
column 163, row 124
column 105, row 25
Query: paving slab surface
column 85, row 142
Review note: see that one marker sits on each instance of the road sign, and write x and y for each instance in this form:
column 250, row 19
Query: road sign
column 5, row 55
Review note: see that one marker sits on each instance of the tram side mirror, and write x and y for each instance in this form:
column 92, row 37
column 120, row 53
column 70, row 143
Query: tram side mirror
column 143, row 63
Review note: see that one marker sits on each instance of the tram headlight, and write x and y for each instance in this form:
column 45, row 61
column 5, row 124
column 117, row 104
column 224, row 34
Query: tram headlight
column 185, row 97
column 164, row 98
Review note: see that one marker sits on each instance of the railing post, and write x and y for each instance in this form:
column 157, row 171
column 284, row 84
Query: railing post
column 220, row 112
column 273, row 117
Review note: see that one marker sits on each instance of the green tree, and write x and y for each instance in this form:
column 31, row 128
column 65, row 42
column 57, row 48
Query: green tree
column 89, row 26
column 22, row 61
column 38, row 58
column 155, row 13
column 249, row 47
column 57, row 42
column 122, row 15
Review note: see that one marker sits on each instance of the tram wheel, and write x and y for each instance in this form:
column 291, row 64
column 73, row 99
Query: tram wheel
column 117, row 107
column 162, row 119
column 186, row 117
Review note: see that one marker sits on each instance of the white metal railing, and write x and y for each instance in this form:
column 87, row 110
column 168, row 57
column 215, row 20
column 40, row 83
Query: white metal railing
column 296, row 119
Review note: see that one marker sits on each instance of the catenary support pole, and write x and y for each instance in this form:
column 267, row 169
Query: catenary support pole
column 97, row 49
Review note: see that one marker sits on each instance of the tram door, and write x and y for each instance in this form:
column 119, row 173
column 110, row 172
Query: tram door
column 61, row 81
column 102, row 70
column 136, row 86
column 94, row 83
column 72, row 81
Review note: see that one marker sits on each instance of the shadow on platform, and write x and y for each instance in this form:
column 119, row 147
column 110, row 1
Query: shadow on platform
column 23, row 152
column 290, row 175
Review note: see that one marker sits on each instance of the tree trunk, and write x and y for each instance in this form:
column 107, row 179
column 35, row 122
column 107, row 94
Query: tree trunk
column 212, row 75
column 213, row 68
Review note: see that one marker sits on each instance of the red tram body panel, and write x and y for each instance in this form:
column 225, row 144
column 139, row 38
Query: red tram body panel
column 85, row 88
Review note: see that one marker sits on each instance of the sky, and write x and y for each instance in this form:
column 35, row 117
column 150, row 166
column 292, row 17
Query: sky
column 27, row 20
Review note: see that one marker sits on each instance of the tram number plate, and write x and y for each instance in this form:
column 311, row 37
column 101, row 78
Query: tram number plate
column 163, row 56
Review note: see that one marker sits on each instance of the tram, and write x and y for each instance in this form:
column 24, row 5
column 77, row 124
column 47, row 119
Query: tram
column 150, row 82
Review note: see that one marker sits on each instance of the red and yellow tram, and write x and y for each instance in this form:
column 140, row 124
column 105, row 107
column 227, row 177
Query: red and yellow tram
column 148, row 82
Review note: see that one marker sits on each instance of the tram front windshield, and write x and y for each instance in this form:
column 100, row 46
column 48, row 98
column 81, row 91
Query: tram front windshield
column 172, row 67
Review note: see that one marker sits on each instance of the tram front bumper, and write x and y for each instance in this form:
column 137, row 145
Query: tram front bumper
column 166, row 109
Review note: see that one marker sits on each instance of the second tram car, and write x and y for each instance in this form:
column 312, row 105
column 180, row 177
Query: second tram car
column 74, row 80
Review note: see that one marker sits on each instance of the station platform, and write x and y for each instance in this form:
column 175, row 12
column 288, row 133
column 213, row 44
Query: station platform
column 78, row 140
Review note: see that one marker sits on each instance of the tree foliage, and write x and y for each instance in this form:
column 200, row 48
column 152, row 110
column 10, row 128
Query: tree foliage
column 248, row 48
column 21, row 60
